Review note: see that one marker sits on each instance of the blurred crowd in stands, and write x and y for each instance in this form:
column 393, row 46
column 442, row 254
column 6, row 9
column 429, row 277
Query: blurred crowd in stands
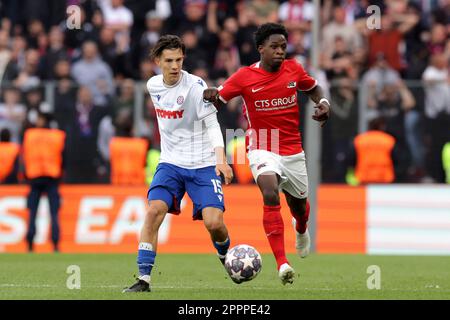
column 88, row 77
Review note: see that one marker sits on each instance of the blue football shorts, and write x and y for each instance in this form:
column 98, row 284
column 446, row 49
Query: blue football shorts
column 203, row 186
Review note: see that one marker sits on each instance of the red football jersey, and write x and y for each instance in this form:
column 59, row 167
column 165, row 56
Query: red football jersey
column 270, row 104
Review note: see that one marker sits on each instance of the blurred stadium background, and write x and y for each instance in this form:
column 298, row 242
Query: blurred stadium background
column 92, row 80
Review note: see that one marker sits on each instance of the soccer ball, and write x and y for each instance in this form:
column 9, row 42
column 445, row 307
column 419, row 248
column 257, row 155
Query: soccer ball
column 243, row 263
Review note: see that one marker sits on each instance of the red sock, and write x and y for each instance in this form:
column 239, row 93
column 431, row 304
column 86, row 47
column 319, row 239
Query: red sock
column 302, row 221
column 274, row 228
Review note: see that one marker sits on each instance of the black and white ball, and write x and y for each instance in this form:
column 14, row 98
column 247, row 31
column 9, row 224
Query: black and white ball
column 243, row 263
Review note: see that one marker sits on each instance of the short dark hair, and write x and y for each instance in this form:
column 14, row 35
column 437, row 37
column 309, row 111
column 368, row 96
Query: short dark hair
column 378, row 123
column 47, row 116
column 5, row 135
column 268, row 29
column 168, row 41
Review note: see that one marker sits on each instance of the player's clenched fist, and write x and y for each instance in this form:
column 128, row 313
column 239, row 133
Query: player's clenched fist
column 211, row 95
column 226, row 170
column 322, row 112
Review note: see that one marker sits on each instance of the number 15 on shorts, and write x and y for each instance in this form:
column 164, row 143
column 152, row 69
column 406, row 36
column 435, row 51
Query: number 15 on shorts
column 217, row 186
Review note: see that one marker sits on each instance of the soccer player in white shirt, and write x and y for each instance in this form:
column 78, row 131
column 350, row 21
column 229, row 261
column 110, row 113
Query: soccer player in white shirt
column 192, row 156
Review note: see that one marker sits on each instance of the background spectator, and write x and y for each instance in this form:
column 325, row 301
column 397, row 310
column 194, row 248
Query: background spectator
column 338, row 27
column 35, row 105
column 296, row 15
column 399, row 71
column 338, row 136
column 56, row 51
column 82, row 134
column 437, row 111
column 28, row 75
column 12, row 113
column 93, row 72
column 116, row 15
column 5, row 52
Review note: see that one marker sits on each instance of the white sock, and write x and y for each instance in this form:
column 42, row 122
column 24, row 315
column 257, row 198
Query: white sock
column 145, row 246
column 222, row 243
column 145, row 277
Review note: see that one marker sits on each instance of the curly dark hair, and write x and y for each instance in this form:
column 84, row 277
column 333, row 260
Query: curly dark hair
column 168, row 41
column 268, row 29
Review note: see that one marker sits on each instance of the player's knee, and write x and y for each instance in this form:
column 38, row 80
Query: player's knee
column 302, row 207
column 298, row 208
column 214, row 225
column 271, row 197
column 153, row 214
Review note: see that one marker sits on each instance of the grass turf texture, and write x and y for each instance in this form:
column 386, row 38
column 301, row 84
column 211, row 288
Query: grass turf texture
column 177, row 276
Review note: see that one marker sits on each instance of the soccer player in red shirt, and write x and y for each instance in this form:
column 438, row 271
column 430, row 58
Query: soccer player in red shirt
column 269, row 91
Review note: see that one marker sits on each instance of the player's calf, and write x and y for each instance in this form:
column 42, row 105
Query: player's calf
column 213, row 220
column 147, row 246
column 299, row 209
column 274, row 228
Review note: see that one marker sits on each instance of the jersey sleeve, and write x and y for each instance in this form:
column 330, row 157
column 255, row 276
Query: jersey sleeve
column 305, row 82
column 203, row 109
column 231, row 88
column 149, row 86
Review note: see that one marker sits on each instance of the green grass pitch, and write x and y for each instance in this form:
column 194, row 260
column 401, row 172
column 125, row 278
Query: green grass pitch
column 179, row 277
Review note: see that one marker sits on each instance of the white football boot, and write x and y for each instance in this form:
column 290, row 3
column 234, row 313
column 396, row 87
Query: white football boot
column 286, row 273
column 302, row 241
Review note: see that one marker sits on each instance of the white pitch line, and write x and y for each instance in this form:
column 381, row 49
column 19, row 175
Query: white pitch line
column 12, row 285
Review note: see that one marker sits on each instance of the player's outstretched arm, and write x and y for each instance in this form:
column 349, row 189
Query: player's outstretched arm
column 216, row 139
column 222, row 166
column 211, row 94
column 322, row 112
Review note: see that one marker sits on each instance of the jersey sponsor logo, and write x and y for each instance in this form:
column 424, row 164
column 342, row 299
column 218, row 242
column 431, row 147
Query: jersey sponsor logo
column 180, row 100
column 166, row 114
column 276, row 103
column 292, row 84
column 256, row 90
column 157, row 96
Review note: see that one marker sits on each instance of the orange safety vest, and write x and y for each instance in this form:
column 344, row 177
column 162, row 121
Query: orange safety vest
column 373, row 157
column 128, row 157
column 42, row 152
column 8, row 155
